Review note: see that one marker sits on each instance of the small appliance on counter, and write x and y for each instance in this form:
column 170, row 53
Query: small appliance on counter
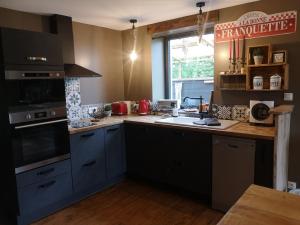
column 144, row 107
column 119, row 108
column 260, row 112
column 166, row 105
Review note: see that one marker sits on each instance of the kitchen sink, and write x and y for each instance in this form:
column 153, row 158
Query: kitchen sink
column 190, row 122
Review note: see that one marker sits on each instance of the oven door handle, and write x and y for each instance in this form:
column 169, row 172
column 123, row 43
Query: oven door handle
column 40, row 124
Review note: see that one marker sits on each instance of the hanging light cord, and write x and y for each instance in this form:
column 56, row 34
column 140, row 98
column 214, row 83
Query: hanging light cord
column 201, row 20
column 133, row 21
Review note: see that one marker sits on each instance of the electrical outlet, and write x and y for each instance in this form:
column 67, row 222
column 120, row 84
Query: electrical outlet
column 288, row 96
column 292, row 185
column 92, row 109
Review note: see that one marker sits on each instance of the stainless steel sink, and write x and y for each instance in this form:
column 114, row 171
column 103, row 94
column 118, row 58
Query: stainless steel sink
column 189, row 122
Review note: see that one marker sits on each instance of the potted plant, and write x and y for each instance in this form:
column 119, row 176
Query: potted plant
column 107, row 109
column 258, row 55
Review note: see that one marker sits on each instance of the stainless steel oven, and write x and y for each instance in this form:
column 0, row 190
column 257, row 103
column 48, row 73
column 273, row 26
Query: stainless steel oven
column 39, row 137
column 37, row 118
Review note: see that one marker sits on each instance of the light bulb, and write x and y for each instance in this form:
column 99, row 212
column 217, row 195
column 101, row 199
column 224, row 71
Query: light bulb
column 133, row 55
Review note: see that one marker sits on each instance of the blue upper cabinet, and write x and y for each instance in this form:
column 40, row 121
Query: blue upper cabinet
column 88, row 160
column 115, row 151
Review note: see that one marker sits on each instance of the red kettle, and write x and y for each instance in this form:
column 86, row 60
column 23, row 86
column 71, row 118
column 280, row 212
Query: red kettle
column 144, row 107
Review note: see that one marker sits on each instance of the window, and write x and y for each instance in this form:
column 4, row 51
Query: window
column 191, row 68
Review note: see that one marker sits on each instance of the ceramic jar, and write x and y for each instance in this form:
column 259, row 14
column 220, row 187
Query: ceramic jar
column 275, row 82
column 258, row 83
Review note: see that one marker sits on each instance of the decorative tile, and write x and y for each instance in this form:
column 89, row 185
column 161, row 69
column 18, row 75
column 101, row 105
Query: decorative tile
column 72, row 84
column 85, row 109
column 73, row 99
column 74, row 113
column 224, row 112
column 239, row 112
column 214, row 109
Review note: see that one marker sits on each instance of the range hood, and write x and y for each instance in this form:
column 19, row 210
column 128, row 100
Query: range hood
column 62, row 26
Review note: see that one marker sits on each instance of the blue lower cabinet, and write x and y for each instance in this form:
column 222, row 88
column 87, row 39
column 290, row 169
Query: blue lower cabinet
column 115, row 151
column 39, row 195
column 88, row 160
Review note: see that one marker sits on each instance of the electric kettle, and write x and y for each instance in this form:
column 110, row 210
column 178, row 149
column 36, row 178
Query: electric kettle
column 144, row 107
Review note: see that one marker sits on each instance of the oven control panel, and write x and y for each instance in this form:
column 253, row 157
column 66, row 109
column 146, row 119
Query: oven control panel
column 42, row 114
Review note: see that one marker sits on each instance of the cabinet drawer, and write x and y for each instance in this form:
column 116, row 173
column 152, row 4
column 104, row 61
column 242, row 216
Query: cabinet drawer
column 89, row 174
column 42, row 194
column 88, row 159
column 26, row 47
column 42, row 173
column 86, row 146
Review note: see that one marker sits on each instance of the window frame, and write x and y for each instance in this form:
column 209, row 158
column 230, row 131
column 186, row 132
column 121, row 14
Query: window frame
column 167, row 39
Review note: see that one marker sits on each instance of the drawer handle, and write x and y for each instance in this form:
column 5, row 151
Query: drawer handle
column 89, row 163
column 45, row 172
column 46, row 185
column 232, row 146
column 112, row 130
column 37, row 59
column 87, row 135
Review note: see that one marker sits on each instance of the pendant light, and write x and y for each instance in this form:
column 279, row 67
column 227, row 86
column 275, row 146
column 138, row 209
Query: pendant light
column 201, row 20
column 133, row 55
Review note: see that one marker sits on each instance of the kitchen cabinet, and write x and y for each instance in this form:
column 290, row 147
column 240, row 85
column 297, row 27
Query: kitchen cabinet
column 34, row 48
column 88, row 159
column 115, row 151
column 146, row 152
column 41, row 187
column 175, row 157
column 189, row 161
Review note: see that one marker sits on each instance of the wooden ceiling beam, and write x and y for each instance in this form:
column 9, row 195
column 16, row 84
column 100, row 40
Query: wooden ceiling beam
column 187, row 21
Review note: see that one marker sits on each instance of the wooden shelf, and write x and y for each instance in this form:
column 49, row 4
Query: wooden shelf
column 266, row 71
column 244, row 82
column 233, row 82
column 267, row 90
column 267, row 65
column 233, row 89
column 232, row 75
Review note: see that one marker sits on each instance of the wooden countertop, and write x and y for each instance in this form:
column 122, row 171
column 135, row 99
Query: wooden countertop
column 263, row 206
column 239, row 130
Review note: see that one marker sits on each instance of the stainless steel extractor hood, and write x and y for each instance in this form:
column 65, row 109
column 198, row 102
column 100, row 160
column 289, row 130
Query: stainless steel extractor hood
column 62, row 26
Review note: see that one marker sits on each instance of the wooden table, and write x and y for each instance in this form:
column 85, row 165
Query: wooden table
column 263, row 206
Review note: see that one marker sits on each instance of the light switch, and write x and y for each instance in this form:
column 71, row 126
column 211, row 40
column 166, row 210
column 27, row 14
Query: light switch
column 288, row 96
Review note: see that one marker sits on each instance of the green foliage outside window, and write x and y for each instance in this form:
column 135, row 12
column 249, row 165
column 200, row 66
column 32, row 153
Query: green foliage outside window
column 197, row 67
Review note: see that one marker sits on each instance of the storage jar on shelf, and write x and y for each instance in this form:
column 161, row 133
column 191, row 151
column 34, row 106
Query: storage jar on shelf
column 258, row 83
column 275, row 82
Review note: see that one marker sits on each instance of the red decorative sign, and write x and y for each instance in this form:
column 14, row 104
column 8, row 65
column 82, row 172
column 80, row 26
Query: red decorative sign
column 257, row 24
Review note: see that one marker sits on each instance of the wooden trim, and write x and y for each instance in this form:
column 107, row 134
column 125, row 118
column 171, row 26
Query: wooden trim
column 187, row 21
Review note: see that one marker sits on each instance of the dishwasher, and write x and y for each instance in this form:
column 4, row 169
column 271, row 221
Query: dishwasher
column 232, row 170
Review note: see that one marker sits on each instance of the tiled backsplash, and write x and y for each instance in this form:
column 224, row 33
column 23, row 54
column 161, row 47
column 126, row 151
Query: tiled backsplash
column 75, row 110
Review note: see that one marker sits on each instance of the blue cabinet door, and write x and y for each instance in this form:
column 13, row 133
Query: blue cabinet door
column 115, row 151
column 88, row 159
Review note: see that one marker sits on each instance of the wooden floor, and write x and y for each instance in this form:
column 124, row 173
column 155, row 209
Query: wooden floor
column 132, row 203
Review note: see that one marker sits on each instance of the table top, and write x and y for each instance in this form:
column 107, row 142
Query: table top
column 264, row 206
